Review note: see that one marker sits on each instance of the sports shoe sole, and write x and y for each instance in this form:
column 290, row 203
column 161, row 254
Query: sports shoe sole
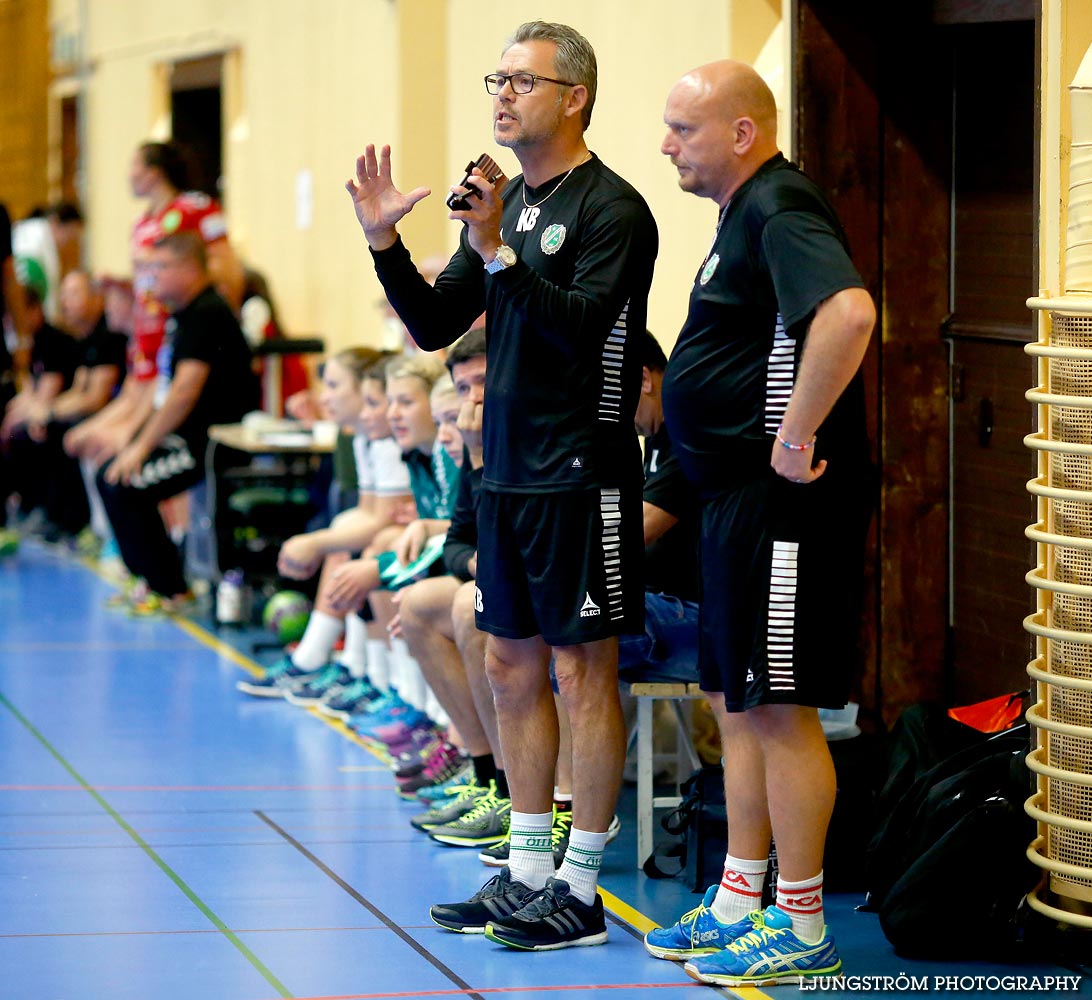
column 734, row 981
column 259, row 692
column 584, row 942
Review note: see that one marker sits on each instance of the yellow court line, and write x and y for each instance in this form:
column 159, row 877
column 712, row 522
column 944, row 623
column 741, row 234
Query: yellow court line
column 616, row 906
column 221, row 647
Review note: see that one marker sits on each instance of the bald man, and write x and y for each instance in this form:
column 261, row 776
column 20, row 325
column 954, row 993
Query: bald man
column 763, row 400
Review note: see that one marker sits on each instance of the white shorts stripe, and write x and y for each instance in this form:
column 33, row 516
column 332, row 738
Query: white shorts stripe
column 781, row 616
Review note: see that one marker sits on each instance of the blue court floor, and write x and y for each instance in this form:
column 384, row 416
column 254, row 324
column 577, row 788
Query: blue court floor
column 164, row 837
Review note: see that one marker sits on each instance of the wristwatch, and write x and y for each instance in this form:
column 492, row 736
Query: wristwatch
column 506, row 257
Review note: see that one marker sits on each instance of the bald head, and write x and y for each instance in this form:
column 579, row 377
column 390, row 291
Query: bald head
column 734, row 90
column 722, row 126
column 81, row 303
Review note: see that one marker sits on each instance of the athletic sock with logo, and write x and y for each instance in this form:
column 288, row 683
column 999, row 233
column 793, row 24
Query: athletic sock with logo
column 583, row 859
column 531, row 852
column 803, row 901
column 740, row 890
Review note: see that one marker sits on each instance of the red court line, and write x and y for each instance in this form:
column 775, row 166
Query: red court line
column 195, row 788
column 210, row 930
column 510, row 989
column 149, row 830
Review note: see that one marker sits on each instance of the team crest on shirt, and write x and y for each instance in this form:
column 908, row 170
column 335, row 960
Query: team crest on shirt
column 171, row 221
column 552, row 238
column 709, row 270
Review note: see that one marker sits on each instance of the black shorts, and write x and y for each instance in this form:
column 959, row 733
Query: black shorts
column 782, row 571
column 566, row 566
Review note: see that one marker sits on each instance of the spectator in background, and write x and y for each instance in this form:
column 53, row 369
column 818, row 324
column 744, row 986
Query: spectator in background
column 204, row 378
column 46, row 248
column 53, row 360
column 100, row 364
column 158, row 175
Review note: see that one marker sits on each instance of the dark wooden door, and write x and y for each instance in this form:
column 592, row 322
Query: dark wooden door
column 993, row 243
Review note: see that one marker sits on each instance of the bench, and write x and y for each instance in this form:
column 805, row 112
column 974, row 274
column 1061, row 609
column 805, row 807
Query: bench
column 678, row 695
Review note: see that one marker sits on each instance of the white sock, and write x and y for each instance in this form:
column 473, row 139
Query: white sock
column 355, row 654
column 435, row 711
column 803, row 901
column 531, row 853
column 740, row 890
column 405, row 673
column 318, row 640
column 100, row 523
column 379, row 669
column 583, row 859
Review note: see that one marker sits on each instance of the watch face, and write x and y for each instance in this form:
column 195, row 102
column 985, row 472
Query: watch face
column 506, row 255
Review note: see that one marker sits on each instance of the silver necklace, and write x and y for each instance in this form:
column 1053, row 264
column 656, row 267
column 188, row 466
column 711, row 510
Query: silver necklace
column 523, row 190
column 716, row 233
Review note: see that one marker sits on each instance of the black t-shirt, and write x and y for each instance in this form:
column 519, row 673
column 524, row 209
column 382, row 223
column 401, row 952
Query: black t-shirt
column 54, row 351
column 671, row 562
column 207, row 330
column 102, row 346
column 779, row 252
column 5, row 253
column 462, row 536
column 563, row 376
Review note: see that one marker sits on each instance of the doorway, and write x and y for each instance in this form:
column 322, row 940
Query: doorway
column 919, row 121
column 993, row 273
column 197, row 120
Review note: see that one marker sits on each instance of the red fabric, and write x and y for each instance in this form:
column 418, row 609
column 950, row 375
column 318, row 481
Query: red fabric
column 190, row 211
column 991, row 716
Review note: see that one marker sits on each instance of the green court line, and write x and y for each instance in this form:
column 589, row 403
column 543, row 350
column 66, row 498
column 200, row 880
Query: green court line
column 163, row 866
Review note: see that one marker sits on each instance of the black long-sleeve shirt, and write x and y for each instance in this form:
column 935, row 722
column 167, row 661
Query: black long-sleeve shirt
column 563, row 376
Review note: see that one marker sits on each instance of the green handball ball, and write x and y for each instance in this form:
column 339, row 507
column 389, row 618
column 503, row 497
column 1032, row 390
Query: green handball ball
column 286, row 615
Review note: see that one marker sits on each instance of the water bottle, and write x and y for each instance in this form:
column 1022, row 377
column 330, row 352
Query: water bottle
column 229, row 598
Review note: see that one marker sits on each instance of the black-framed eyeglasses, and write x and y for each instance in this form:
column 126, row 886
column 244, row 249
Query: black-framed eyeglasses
column 522, row 83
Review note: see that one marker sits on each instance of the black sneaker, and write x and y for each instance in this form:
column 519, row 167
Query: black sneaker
column 501, row 896
column 552, row 918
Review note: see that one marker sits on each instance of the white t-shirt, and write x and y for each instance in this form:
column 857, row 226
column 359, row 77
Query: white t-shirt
column 379, row 467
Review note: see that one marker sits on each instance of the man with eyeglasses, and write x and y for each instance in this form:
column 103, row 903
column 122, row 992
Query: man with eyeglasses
column 562, row 263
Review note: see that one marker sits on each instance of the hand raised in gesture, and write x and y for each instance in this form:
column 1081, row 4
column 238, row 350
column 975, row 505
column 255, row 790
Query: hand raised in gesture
column 379, row 204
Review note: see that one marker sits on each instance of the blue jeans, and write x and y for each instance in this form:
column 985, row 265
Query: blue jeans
column 667, row 650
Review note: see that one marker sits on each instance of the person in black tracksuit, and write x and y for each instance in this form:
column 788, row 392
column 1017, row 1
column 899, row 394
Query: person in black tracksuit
column 561, row 260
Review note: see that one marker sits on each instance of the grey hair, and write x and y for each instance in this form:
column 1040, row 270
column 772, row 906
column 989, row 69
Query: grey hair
column 575, row 58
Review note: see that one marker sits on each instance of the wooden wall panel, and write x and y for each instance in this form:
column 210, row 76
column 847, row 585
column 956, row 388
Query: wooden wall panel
column 869, row 132
column 838, row 137
column 24, row 82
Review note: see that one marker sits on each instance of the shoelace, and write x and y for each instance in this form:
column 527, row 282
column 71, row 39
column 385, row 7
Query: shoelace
column 758, row 938
column 544, row 902
column 563, row 822
column 360, row 687
column 485, row 804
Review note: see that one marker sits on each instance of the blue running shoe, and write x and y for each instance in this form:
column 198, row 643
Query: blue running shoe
column 698, row 932
column 332, row 677
column 282, row 676
column 353, row 699
column 370, row 727
column 769, row 954
column 378, row 712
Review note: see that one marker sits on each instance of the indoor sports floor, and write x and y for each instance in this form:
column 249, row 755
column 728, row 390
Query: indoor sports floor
column 164, row 837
